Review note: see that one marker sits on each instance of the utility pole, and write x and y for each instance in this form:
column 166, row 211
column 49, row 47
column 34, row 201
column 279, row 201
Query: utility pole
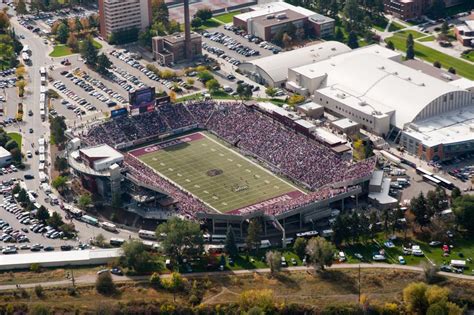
column 359, row 283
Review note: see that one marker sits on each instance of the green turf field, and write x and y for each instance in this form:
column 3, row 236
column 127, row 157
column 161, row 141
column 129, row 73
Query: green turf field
column 217, row 175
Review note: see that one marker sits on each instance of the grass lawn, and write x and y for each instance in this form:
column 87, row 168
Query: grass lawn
column 226, row 17
column 394, row 26
column 60, row 51
column 431, row 55
column 381, row 26
column 16, row 137
column 217, row 175
column 469, row 56
column 429, row 38
column 405, row 33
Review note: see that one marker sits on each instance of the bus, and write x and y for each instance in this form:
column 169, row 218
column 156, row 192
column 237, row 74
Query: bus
column 117, row 242
column 307, row 234
column 43, row 71
column 151, row 235
column 108, row 226
column 90, row 220
column 422, row 172
column 431, row 179
column 444, row 183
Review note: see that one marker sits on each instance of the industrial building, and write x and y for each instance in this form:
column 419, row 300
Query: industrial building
column 266, row 20
column 273, row 70
column 121, row 15
column 171, row 48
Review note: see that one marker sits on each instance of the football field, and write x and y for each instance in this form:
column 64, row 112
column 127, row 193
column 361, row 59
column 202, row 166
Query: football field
column 219, row 176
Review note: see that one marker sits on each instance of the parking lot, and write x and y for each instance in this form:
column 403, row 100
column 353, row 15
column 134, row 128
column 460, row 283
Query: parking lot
column 235, row 45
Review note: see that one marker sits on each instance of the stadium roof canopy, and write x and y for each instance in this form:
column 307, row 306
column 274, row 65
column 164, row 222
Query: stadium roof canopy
column 275, row 67
column 372, row 83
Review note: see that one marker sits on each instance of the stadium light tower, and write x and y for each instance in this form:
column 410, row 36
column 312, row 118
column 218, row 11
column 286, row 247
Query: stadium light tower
column 187, row 31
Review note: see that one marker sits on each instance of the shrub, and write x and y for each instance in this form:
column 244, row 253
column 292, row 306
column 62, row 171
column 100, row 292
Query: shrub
column 35, row 267
column 437, row 64
column 104, row 284
column 155, row 280
column 39, row 291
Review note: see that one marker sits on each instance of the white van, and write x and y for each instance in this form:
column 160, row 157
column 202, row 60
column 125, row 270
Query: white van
column 265, row 244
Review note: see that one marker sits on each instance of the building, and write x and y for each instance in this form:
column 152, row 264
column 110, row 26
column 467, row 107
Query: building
column 273, row 70
column 465, row 33
column 413, row 9
column 379, row 189
column 122, row 15
column 266, row 20
column 171, row 48
column 428, row 113
column 346, row 126
column 5, row 157
column 98, row 169
column 311, row 110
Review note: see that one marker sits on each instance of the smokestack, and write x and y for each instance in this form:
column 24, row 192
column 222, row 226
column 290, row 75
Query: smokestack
column 187, row 31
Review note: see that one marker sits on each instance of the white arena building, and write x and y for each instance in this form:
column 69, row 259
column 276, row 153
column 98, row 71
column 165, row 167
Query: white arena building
column 372, row 87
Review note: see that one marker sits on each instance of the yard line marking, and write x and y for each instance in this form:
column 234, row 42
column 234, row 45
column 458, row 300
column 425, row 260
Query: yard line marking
column 154, row 159
column 204, row 144
column 276, row 187
column 256, row 176
column 187, row 180
column 170, row 169
column 267, row 181
column 230, row 160
column 205, row 191
column 215, row 197
column 224, row 203
column 238, row 165
column 213, row 150
column 179, row 174
column 221, row 154
column 162, row 164
column 248, row 171
column 197, row 186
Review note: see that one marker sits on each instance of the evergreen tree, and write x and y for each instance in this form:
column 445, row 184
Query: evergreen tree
column 230, row 244
column 352, row 40
column 21, row 7
column 339, row 35
column 103, row 64
column 89, row 52
column 410, row 44
column 62, row 33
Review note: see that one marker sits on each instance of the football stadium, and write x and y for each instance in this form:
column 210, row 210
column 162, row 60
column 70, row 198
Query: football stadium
column 223, row 163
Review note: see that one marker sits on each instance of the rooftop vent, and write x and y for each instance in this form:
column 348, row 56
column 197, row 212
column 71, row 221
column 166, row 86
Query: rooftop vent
column 270, row 16
column 341, row 95
column 395, row 73
column 281, row 16
column 408, row 79
column 363, row 103
column 382, row 68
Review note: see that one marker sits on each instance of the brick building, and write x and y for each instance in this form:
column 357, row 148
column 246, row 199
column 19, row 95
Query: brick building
column 171, row 48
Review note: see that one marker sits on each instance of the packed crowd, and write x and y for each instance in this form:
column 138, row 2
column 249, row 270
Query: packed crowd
column 292, row 154
column 321, row 194
column 186, row 205
column 298, row 157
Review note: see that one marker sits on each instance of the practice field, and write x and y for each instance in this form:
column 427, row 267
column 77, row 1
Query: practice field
column 217, row 175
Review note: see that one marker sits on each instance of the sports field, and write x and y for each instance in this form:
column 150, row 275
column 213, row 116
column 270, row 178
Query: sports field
column 219, row 176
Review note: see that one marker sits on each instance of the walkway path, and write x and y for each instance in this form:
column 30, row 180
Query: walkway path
column 91, row 278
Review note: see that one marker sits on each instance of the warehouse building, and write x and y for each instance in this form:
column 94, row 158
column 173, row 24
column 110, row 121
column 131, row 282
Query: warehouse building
column 5, row 157
column 266, row 20
column 273, row 70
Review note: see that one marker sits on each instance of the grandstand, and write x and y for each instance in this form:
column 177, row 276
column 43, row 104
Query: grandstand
column 200, row 172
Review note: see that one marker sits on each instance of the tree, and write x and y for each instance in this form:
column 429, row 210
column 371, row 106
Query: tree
column 84, row 201
column 244, row 91
column 270, row 91
column 89, row 52
column 455, row 193
column 253, row 234
column 437, row 64
column 295, row 99
column 445, row 28
column 390, row 45
column 196, row 22
column 42, row 214
column 60, row 164
column 78, row 25
column 21, row 84
column 273, row 259
column 180, row 238
column 21, row 7
column 59, row 183
column 55, row 220
column 340, row 229
column 205, row 76
column 72, row 42
column 414, row 298
column 99, row 240
column 213, row 85
column 58, row 126
column 463, row 208
column 11, row 144
column 160, row 11
column 174, row 283
column 452, row 70
column 39, row 291
column 353, row 13
column 334, row 9
column 136, row 257
column 320, row 252
column 230, row 244
column 286, row 40
column 104, row 284
column 300, row 247
column 103, row 64
column 410, row 44
column 4, row 21
column 204, row 14
column 352, row 41
column 339, row 35
column 62, row 33
column 420, row 209
column 22, row 196
column 155, row 280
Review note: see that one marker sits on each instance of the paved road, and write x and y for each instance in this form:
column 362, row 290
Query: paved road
column 91, row 278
